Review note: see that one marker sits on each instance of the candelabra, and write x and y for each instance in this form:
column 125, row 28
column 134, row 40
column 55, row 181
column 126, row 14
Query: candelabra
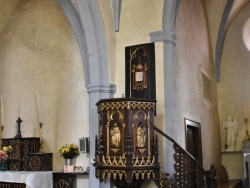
column 41, row 138
column 247, row 137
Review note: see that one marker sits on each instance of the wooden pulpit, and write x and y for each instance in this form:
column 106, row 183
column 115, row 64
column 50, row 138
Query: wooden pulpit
column 126, row 149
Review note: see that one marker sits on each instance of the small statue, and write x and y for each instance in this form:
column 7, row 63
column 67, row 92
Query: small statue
column 115, row 135
column 141, row 136
column 230, row 127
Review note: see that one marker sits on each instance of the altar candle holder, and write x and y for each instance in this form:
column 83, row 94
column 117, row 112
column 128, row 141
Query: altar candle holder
column 247, row 137
column 41, row 138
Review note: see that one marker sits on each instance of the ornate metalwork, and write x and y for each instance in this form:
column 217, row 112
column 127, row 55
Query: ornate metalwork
column 181, row 167
column 12, row 185
column 35, row 163
column 199, row 177
column 18, row 158
column 61, row 183
column 188, row 171
column 165, row 181
column 15, row 144
column 47, row 162
column 15, row 166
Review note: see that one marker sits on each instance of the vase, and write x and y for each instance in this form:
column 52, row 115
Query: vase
column 2, row 165
column 68, row 162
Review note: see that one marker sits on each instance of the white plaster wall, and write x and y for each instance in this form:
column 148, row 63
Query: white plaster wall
column 38, row 52
column 233, row 88
column 193, row 55
column 138, row 19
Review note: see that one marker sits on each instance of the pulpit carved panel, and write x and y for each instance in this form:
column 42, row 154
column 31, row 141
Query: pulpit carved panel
column 125, row 145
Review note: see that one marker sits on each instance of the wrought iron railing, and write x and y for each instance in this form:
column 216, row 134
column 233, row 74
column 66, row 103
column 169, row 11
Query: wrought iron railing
column 187, row 168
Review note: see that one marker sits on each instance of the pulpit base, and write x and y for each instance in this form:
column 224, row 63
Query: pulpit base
column 124, row 184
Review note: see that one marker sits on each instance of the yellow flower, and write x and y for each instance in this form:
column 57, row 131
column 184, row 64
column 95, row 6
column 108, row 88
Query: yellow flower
column 69, row 151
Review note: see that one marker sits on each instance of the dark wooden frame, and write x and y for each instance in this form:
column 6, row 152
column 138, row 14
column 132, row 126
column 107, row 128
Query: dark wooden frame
column 197, row 126
column 143, row 55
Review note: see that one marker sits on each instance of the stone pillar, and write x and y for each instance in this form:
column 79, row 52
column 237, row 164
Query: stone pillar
column 96, row 93
column 167, row 36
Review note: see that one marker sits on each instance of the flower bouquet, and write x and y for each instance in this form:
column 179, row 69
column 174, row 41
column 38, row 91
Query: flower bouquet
column 4, row 156
column 69, row 151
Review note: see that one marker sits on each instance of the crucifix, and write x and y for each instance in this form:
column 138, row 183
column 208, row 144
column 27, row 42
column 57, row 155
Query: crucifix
column 19, row 135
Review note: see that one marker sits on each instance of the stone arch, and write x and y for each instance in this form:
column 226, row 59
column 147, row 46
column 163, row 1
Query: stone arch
column 85, row 19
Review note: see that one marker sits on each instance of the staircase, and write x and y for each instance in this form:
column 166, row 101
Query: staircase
column 188, row 171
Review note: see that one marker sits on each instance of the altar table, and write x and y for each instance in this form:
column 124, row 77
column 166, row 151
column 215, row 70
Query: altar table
column 41, row 179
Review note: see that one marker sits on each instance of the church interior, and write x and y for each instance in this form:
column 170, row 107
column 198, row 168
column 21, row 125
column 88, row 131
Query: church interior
column 59, row 58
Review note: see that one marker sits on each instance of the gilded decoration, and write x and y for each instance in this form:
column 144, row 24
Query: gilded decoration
column 121, row 160
column 114, row 125
column 116, row 174
column 114, row 161
column 143, row 174
column 126, row 105
column 139, row 72
column 100, row 124
column 126, row 149
column 143, row 161
column 115, row 136
column 141, row 136
column 142, row 132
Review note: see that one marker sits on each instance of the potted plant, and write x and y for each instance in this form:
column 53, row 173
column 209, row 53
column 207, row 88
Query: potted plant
column 68, row 152
column 4, row 154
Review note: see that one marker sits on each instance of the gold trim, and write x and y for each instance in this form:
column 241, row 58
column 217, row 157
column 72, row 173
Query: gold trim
column 141, row 174
column 143, row 161
column 114, row 174
column 142, row 150
column 126, row 105
column 110, row 118
column 114, row 150
column 114, row 160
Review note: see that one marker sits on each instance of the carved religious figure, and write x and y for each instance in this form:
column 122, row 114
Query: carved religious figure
column 230, row 127
column 141, row 136
column 115, row 135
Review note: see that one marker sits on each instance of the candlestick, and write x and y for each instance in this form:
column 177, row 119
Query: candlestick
column 41, row 138
column 38, row 107
column 41, row 131
column 1, row 111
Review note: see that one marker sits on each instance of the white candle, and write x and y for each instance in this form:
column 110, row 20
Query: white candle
column 38, row 107
column 245, row 108
column 1, row 111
